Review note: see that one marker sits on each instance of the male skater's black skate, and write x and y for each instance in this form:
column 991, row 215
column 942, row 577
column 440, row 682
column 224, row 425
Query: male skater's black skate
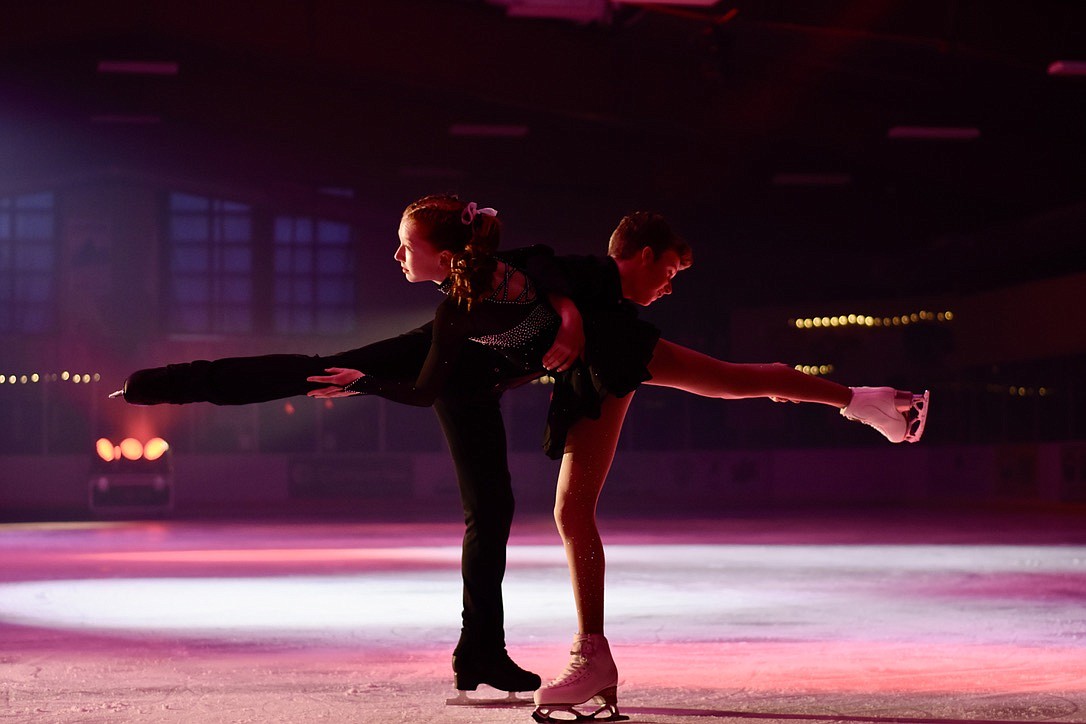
column 472, row 668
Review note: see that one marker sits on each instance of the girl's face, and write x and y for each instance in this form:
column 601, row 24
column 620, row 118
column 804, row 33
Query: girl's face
column 419, row 260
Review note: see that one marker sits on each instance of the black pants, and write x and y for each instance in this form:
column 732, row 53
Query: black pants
column 470, row 415
column 475, row 431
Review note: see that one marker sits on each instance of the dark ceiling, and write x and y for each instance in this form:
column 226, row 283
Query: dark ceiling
column 760, row 127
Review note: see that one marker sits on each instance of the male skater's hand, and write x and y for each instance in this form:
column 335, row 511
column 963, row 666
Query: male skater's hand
column 338, row 379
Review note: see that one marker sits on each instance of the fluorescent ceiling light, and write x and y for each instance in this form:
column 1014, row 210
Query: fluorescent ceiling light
column 936, row 133
column 431, row 172
column 130, row 119
column 339, row 191
column 1067, row 67
column 485, row 130
column 686, row 3
column 139, row 67
column 584, row 11
column 812, row 179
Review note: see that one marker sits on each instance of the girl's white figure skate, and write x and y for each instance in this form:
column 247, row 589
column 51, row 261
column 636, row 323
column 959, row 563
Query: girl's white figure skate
column 591, row 675
column 899, row 416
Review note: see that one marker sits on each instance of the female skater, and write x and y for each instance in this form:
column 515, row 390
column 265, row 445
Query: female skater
column 644, row 257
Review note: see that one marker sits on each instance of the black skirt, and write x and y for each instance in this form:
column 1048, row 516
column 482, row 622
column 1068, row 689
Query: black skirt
column 618, row 349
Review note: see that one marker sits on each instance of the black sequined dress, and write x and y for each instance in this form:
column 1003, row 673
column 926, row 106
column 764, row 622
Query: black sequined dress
column 618, row 344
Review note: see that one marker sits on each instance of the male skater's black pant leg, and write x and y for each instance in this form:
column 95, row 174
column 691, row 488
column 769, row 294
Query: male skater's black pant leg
column 469, row 414
column 475, row 431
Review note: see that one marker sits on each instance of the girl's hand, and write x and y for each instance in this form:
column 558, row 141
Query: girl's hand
column 338, row 378
column 568, row 344
column 567, row 348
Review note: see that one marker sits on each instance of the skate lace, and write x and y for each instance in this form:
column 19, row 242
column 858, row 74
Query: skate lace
column 867, row 416
column 576, row 668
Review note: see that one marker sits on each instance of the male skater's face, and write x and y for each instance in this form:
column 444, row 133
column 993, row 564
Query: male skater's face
column 652, row 277
column 419, row 260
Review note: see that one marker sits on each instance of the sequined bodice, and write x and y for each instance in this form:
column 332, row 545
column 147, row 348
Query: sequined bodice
column 513, row 322
column 541, row 321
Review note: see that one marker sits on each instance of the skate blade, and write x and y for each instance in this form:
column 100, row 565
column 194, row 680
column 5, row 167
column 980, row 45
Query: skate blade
column 917, row 417
column 547, row 715
column 510, row 699
column 551, row 713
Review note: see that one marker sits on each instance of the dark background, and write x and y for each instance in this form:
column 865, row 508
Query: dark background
column 676, row 108
column 761, row 128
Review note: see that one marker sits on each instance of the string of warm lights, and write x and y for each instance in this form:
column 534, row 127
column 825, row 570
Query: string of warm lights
column 816, row 370
column 1015, row 391
column 867, row 320
column 32, row 378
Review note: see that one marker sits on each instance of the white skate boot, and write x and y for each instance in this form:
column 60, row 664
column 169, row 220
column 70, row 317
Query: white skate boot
column 899, row 416
column 591, row 674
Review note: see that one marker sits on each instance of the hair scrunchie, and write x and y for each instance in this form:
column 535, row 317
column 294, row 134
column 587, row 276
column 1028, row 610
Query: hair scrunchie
column 472, row 210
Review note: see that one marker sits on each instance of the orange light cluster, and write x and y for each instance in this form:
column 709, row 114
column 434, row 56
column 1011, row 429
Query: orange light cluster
column 131, row 449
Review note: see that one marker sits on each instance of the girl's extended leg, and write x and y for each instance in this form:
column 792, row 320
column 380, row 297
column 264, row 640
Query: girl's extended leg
column 899, row 416
column 675, row 366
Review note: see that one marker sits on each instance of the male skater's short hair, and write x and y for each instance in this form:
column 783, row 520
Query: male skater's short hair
column 645, row 229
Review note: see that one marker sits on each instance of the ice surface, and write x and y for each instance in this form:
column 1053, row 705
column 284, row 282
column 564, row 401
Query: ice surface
column 767, row 618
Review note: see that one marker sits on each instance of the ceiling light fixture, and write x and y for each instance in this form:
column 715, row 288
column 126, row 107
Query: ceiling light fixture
column 934, row 133
column 686, row 3
column 132, row 120
column 581, row 11
column 485, row 130
column 429, row 172
column 812, row 179
column 139, row 67
column 1067, row 67
column 595, row 11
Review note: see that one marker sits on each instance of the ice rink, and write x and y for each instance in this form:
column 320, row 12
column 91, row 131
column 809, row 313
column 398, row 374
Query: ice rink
column 929, row 617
